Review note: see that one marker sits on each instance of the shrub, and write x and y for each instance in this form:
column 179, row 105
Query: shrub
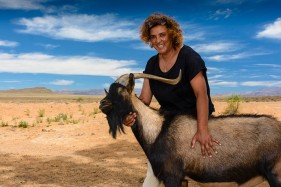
column 233, row 104
column 23, row 124
column 60, row 117
column 80, row 99
column 4, row 124
column 41, row 113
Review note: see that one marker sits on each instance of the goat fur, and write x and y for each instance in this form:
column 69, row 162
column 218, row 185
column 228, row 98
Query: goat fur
column 251, row 144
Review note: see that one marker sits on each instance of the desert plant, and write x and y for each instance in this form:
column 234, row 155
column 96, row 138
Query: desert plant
column 41, row 113
column 23, row 124
column 95, row 111
column 49, row 120
column 39, row 120
column 61, row 117
column 233, row 102
column 73, row 121
column 4, row 124
column 79, row 99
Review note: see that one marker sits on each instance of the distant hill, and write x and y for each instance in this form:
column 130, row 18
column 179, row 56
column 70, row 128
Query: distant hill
column 264, row 92
column 38, row 90
column 87, row 92
column 42, row 90
column 82, row 92
column 270, row 91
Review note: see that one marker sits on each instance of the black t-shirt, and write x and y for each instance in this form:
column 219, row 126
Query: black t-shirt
column 180, row 97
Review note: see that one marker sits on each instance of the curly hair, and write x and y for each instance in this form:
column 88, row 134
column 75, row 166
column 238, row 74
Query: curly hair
column 155, row 19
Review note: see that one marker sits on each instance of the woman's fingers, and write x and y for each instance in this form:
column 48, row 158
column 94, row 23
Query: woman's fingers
column 130, row 119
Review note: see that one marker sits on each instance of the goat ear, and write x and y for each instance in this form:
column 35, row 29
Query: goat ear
column 131, row 83
column 106, row 92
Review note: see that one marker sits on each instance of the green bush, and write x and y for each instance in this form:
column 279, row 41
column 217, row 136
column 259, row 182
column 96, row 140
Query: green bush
column 233, row 104
column 4, row 124
column 61, row 117
column 23, row 124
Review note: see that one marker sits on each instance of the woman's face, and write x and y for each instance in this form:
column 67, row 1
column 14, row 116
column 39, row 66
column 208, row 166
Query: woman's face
column 160, row 39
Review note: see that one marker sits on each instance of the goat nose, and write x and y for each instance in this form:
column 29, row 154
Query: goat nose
column 102, row 103
column 105, row 105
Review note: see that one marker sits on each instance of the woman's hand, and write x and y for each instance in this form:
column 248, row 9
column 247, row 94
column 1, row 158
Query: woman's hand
column 130, row 119
column 207, row 142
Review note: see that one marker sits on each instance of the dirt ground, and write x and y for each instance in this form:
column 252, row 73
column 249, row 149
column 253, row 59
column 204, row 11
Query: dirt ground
column 76, row 150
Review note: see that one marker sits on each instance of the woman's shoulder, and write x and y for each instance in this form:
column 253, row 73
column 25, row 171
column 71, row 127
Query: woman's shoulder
column 188, row 50
column 151, row 64
column 152, row 60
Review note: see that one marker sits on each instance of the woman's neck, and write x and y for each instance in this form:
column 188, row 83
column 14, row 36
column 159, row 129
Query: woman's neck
column 168, row 59
column 168, row 55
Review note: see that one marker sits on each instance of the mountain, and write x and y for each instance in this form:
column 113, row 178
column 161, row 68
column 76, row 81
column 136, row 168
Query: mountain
column 87, row 92
column 262, row 92
column 270, row 91
column 38, row 90
column 82, row 92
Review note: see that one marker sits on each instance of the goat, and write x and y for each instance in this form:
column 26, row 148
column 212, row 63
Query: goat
column 251, row 144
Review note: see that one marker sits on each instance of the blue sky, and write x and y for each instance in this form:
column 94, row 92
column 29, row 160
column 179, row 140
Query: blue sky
column 81, row 44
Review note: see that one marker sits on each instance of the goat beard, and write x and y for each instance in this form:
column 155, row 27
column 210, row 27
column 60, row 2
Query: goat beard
column 115, row 123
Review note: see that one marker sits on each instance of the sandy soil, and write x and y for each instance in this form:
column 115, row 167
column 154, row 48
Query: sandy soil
column 76, row 151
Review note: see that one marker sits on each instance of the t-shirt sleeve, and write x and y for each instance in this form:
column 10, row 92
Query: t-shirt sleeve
column 195, row 64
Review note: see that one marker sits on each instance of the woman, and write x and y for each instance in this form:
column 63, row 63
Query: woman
column 190, row 96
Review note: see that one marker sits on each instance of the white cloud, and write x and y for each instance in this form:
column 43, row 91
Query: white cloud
column 138, row 83
column 275, row 76
column 224, row 57
column 143, row 46
column 21, row 4
column 62, row 82
column 269, row 65
column 195, row 36
column 230, row 1
column 82, row 27
column 67, row 65
column 215, row 77
column 217, row 47
column 49, row 46
column 15, row 81
column 272, row 30
column 262, row 83
column 235, row 56
column 6, row 43
column 215, row 69
column 193, row 32
column 223, row 83
column 224, row 14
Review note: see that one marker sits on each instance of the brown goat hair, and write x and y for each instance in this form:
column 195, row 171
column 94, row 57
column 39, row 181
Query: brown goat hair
column 251, row 144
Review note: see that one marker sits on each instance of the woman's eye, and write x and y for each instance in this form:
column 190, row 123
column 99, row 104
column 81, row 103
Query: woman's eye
column 152, row 37
column 162, row 35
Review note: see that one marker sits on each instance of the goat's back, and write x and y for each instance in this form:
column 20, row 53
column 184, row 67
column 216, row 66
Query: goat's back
column 246, row 141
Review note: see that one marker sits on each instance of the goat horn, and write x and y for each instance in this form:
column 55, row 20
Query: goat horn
column 124, row 79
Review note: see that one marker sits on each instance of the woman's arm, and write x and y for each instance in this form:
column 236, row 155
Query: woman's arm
column 202, row 135
column 145, row 97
